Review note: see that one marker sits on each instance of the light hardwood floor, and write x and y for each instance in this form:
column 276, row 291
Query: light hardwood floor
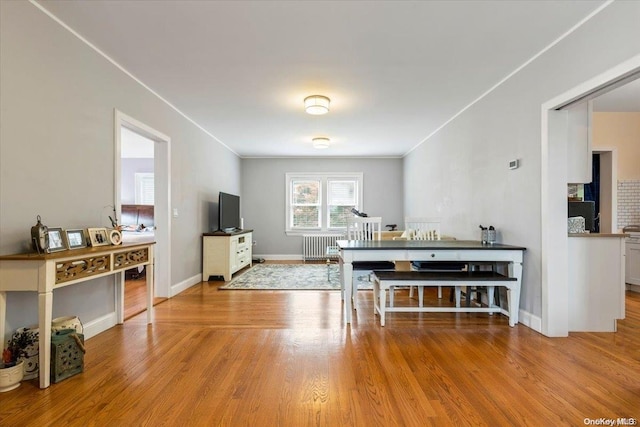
column 283, row 358
column 135, row 297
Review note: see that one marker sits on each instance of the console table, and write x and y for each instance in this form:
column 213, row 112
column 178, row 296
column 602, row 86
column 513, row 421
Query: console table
column 43, row 273
column 426, row 250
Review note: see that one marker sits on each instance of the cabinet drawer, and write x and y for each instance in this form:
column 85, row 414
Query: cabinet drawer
column 434, row 256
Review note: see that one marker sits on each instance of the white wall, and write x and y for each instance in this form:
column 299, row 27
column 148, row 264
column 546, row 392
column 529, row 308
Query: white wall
column 465, row 164
column 622, row 131
column 263, row 196
column 57, row 153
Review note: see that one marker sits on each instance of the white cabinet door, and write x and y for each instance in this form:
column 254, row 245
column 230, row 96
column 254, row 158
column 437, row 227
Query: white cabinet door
column 233, row 254
column 596, row 283
column 632, row 272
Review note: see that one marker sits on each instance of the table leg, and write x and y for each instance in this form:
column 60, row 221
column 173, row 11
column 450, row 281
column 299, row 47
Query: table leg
column 45, row 311
column 383, row 304
column 515, row 270
column 150, row 292
column 512, row 310
column 490, row 296
column 120, row 290
column 347, row 286
column 376, row 293
column 340, row 277
column 3, row 315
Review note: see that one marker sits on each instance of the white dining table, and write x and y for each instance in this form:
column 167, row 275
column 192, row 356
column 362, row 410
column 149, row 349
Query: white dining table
column 351, row 251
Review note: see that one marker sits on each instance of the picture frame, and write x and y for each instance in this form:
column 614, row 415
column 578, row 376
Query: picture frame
column 56, row 240
column 115, row 236
column 76, row 238
column 98, row 236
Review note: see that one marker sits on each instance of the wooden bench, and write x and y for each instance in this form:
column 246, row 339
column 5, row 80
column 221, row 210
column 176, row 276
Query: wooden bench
column 384, row 281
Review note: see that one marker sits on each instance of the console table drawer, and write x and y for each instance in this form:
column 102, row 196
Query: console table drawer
column 128, row 259
column 78, row 268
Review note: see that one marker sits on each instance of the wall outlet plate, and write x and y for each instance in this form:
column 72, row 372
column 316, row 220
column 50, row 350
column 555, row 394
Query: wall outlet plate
column 514, row 164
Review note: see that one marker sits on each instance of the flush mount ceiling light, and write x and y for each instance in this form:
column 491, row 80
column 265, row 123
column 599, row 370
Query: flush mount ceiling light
column 316, row 104
column 320, row 143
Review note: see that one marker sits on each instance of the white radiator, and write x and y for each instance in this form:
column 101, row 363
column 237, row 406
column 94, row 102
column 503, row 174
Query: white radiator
column 314, row 246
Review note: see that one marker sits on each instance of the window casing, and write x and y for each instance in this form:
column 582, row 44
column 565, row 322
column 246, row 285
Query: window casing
column 321, row 202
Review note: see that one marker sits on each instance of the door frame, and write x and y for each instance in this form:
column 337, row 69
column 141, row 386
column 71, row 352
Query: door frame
column 608, row 188
column 553, row 206
column 162, row 208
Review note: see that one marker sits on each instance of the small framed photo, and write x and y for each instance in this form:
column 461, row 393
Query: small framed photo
column 75, row 239
column 98, row 236
column 115, row 237
column 56, row 239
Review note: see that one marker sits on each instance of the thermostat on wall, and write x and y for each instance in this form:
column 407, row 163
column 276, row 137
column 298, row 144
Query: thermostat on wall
column 513, row 164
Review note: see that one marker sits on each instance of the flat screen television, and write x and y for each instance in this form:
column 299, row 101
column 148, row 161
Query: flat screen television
column 228, row 212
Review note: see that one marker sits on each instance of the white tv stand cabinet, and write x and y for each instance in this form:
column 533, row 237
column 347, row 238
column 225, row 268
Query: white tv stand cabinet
column 225, row 253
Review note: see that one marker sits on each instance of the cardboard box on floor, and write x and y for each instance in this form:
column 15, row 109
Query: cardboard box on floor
column 403, row 265
column 397, row 235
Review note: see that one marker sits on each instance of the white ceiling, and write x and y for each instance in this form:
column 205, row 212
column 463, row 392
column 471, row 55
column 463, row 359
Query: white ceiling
column 395, row 71
column 135, row 146
column 625, row 99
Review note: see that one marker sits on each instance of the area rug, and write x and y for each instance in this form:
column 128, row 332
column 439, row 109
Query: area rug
column 288, row 277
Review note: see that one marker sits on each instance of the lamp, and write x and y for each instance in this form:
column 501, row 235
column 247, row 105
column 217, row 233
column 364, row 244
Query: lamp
column 316, row 104
column 320, row 143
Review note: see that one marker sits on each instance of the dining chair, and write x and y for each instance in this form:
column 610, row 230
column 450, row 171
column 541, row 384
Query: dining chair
column 422, row 228
column 365, row 228
column 429, row 229
column 419, row 228
column 476, row 292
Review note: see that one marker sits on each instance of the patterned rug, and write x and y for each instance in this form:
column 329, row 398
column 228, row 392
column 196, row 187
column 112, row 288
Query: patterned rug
column 288, row 277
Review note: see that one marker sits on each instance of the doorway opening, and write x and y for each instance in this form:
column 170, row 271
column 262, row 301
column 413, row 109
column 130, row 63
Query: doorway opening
column 142, row 203
column 554, row 161
column 602, row 191
column 137, row 191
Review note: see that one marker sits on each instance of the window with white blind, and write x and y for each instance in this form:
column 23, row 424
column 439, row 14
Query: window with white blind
column 144, row 188
column 321, row 201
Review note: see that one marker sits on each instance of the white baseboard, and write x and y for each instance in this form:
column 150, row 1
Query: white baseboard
column 296, row 257
column 101, row 324
column 185, row 284
column 632, row 288
column 529, row 320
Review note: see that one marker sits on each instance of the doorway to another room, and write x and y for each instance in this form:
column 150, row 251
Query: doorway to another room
column 142, row 199
column 558, row 157
column 137, row 184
